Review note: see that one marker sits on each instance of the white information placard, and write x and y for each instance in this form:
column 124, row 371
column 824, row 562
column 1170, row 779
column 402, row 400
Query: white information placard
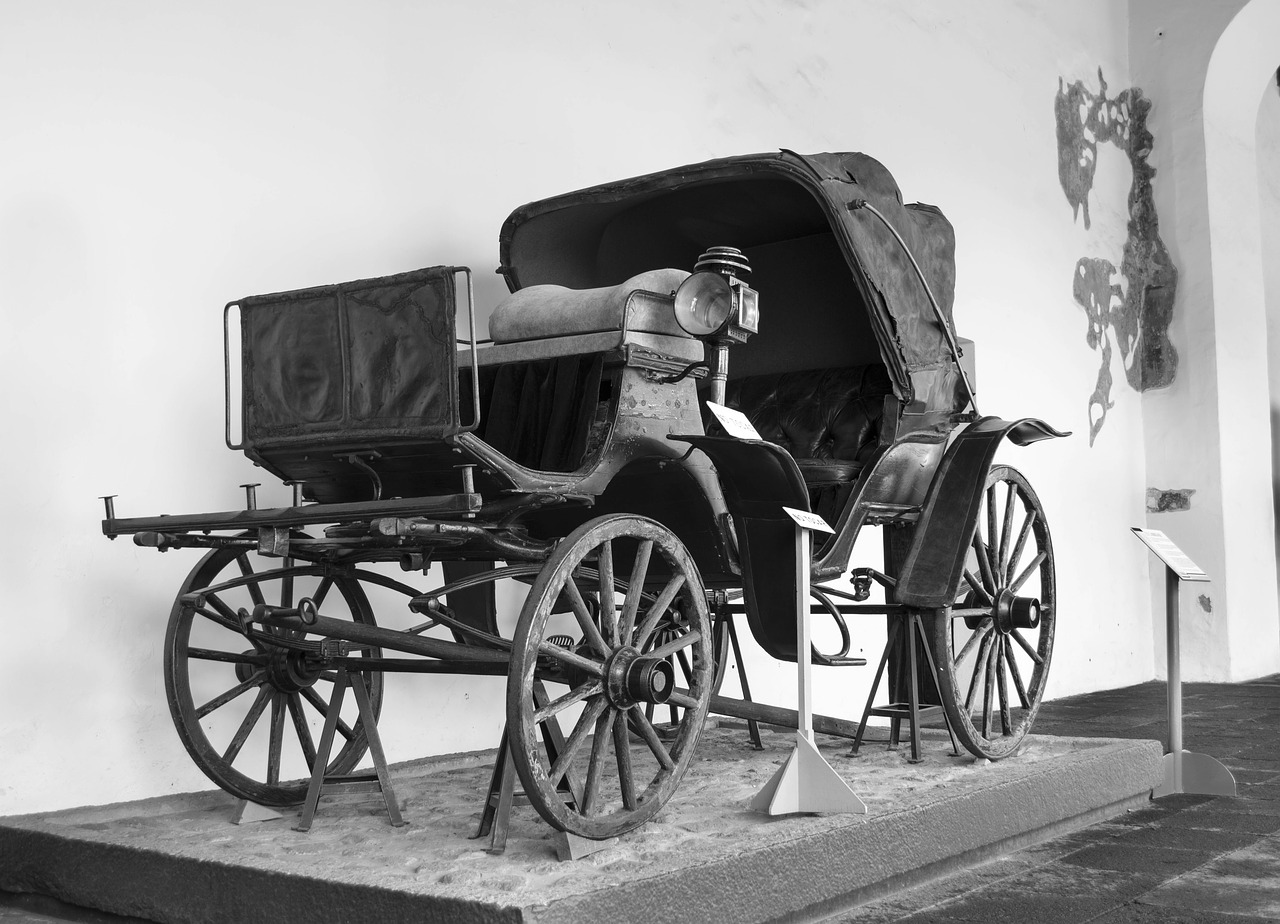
column 1173, row 557
column 735, row 422
column 807, row 520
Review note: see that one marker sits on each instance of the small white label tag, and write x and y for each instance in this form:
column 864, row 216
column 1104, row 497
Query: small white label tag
column 735, row 422
column 1173, row 557
column 806, row 520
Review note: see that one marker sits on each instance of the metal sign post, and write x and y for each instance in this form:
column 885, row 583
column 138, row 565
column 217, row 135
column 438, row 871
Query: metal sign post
column 1184, row 771
column 806, row 782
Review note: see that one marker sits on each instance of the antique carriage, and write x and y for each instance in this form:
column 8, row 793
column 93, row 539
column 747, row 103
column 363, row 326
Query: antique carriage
column 571, row 454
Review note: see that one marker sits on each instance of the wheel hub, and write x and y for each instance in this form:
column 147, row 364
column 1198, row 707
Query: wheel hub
column 631, row 678
column 1014, row 612
column 287, row 671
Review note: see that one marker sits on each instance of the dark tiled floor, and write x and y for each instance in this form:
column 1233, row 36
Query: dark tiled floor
column 1182, row 860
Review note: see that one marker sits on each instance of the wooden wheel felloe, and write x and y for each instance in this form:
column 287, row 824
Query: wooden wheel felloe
column 249, row 711
column 617, row 583
column 993, row 647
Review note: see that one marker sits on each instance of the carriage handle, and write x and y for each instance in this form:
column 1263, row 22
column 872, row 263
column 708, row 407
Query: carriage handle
column 856, row 204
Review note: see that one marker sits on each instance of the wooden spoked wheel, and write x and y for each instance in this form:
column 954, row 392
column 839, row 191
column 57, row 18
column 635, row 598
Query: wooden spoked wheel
column 616, row 585
column 993, row 647
column 250, row 710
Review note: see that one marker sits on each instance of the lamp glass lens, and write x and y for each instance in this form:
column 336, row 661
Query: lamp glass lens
column 703, row 303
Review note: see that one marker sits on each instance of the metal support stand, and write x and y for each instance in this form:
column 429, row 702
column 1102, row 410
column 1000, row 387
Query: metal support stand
column 806, row 782
column 495, row 818
column 753, row 727
column 378, row 781
column 1185, row 771
column 911, row 710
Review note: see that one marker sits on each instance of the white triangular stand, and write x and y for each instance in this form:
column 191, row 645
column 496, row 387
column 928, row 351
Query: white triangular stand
column 1200, row 774
column 807, row 783
column 247, row 812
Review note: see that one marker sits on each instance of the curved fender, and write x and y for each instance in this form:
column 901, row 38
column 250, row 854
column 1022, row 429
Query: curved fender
column 935, row 562
column 759, row 479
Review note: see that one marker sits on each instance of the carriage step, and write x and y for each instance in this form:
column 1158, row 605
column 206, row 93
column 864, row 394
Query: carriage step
column 378, row 780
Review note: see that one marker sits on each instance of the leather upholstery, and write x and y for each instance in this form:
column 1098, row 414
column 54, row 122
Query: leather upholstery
column 828, row 419
column 543, row 311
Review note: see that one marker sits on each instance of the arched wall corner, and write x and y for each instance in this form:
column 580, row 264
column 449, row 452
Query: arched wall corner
column 1243, row 63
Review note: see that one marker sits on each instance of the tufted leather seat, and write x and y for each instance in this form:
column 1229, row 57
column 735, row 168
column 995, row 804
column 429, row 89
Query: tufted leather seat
column 828, row 419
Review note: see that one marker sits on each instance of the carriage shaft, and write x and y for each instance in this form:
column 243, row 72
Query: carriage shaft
column 776, row 715
column 396, row 640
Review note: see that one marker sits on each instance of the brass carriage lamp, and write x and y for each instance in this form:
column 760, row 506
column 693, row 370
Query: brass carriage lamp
column 717, row 306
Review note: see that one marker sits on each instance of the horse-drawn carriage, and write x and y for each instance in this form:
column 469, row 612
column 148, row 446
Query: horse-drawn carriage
column 571, row 454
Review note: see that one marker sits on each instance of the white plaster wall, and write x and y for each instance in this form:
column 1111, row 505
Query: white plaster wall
column 161, row 159
column 1268, row 144
column 1170, row 45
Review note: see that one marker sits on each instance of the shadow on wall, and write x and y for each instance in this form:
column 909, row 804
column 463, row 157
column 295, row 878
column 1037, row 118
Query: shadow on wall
column 1135, row 309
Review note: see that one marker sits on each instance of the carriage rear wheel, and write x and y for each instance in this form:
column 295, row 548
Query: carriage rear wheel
column 249, row 711
column 615, row 600
column 993, row 646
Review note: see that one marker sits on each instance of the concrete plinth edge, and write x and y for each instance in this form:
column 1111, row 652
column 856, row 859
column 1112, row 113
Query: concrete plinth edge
column 793, row 868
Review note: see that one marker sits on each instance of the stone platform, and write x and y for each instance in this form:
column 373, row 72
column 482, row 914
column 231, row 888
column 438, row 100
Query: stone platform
column 705, row 857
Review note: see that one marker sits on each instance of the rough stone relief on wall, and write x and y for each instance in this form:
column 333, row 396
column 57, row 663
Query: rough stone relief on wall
column 1134, row 304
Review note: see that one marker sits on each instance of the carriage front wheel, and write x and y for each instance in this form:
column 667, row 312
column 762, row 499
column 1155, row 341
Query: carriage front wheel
column 616, row 599
column 249, row 710
column 992, row 647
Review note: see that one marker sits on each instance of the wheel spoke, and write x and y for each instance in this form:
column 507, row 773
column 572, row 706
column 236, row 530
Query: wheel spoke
column 225, row 616
column 323, row 708
column 595, row 766
column 232, row 657
column 322, row 591
column 979, row 635
column 1017, row 678
column 978, row 589
column 992, row 537
column 683, row 698
column 608, row 605
column 1028, row 571
column 984, row 566
column 576, row 695
column 277, row 739
column 988, row 695
column 572, row 658
column 222, row 699
column 305, row 741
column 582, row 613
column 979, row 669
column 622, row 753
column 1026, row 646
column 1006, row 726
column 1002, row 562
column 1023, row 533
column 594, row 709
column 650, row 736
column 658, row 610
column 246, row 569
column 635, row 589
column 250, row 720
column 679, row 643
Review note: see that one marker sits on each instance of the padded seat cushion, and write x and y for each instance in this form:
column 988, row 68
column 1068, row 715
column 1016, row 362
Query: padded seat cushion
column 539, row 312
column 828, row 419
